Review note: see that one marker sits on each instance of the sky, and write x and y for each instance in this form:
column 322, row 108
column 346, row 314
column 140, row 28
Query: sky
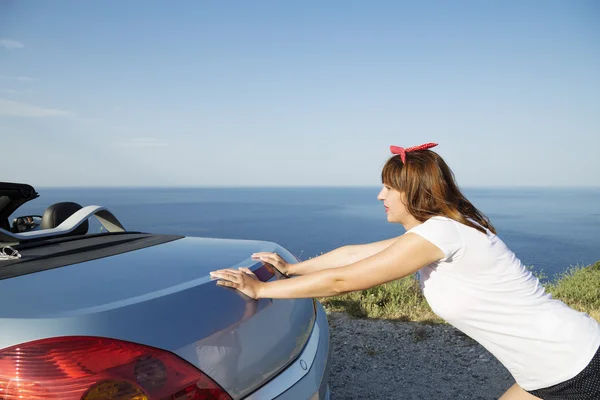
column 297, row 93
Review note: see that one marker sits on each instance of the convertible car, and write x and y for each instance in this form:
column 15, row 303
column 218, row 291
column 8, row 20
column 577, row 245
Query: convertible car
column 135, row 315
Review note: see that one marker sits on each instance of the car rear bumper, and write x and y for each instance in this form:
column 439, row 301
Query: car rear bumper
column 308, row 376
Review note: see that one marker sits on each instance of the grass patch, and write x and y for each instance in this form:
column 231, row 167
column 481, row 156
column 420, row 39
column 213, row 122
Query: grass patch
column 579, row 287
column 402, row 300
column 399, row 300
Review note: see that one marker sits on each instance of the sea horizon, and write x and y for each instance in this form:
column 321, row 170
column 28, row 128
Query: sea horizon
column 292, row 186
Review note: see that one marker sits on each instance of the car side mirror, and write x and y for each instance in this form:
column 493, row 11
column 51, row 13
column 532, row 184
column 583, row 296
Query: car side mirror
column 26, row 223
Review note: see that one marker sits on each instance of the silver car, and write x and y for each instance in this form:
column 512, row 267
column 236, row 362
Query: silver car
column 135, row 315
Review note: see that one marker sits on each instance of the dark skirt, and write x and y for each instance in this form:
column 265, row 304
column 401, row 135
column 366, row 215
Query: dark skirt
column 584, row 386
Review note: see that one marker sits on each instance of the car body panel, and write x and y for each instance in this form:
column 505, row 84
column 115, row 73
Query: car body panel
column 314, row 383
column 162, row 296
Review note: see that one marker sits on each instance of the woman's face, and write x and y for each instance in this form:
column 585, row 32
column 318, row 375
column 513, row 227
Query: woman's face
column 395, row 207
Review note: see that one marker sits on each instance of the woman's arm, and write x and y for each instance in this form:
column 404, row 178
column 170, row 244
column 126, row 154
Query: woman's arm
column 404, row 256
column 339, row 257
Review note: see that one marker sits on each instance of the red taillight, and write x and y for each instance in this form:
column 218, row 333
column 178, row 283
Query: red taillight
column 91, row 368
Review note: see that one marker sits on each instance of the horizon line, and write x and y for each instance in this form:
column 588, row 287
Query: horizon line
column 299, row 187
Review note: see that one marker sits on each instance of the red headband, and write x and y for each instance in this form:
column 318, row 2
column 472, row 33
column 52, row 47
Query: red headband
column 402, row 151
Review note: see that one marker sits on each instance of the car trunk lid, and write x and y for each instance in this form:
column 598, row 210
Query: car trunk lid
column 163, row 296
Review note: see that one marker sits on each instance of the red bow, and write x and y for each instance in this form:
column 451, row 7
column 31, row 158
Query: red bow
column 402, row 151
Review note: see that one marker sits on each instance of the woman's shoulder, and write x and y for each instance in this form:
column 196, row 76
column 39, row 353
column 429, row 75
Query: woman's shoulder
column 442, row 232
column 437, row 221
column 440, row 218
column 441, row 222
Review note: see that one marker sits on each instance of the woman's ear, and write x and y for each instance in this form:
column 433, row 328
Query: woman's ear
column 403, row 198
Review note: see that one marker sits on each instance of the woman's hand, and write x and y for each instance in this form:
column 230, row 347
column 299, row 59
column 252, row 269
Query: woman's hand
column 275, row 260
column 243, row 280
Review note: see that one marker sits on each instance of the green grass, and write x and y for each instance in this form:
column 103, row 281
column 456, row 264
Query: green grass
column 402, row 300
column 579, row 287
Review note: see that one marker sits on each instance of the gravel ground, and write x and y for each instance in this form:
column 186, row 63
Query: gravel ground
column 376, row 359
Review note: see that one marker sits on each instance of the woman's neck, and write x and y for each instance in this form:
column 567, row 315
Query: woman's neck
column 411, row 223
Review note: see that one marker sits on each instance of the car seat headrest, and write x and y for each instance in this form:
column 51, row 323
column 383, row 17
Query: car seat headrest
column 58, row 213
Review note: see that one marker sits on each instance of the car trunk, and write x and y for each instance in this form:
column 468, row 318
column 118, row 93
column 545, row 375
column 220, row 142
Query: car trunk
column 162, row 296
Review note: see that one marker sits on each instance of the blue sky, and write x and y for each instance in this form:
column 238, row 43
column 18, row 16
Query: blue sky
column 311, row 93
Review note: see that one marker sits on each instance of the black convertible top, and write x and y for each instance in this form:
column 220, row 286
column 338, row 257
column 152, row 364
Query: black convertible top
column 59, row 252
column 12, row 196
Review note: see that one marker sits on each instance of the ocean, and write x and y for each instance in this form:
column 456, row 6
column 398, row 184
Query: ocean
column 548, row 229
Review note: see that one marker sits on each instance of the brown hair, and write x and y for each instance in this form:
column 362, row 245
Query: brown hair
column 431, row 189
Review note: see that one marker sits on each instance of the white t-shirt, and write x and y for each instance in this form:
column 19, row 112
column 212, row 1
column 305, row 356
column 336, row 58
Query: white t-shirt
column 481, row 288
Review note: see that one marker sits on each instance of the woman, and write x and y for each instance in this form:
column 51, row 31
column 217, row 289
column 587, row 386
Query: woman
column 468, row 276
